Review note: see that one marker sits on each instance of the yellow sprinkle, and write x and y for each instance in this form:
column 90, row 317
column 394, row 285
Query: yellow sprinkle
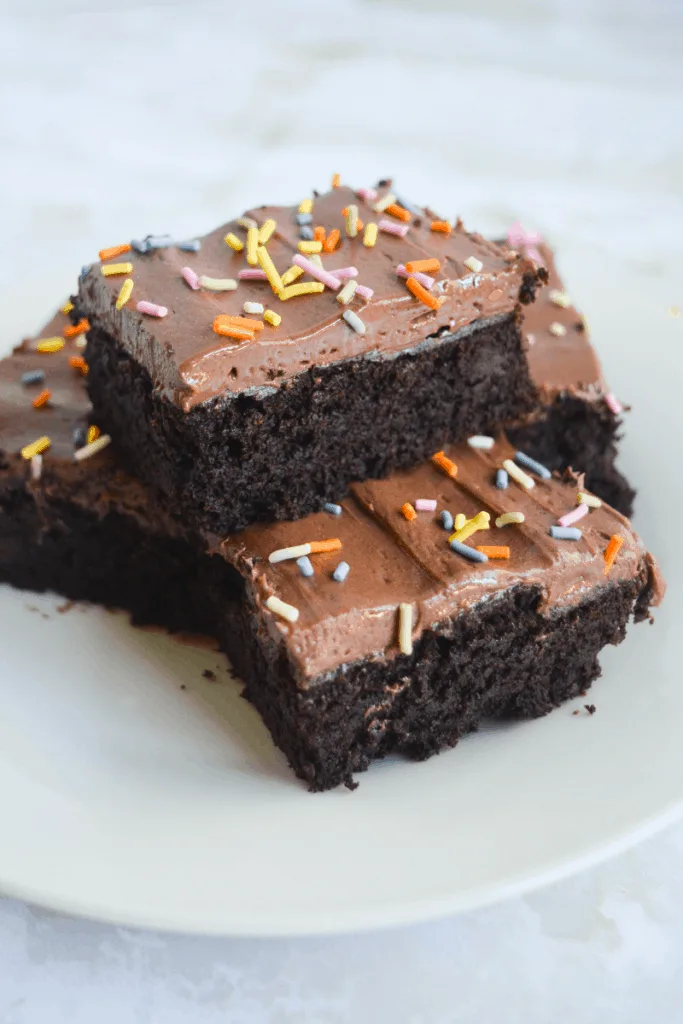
column 370, row 235
column 315, row 258
column 110, row 269
column 559, row 330
column 479, row 522
column 290, row 276
column 405, row 628
column 67, row 307
column 559, row 298
column 583, row 498
column 93, row 433
column 234, row 242
column 381, row 204
column 50, row 345
column 30, row 450
column 125, row 293
column 267, row 265
column 247, row 222
column 522, row 478
column 252, row 246
column 460, row 520
column 345, row 294
column 510, row 517
column 272, row 318
column 266, row 231
column 307, row 288
column 309, row 247
column 352, row 221
column 306, row 206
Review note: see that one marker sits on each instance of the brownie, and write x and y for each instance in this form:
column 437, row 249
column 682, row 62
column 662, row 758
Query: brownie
column 271, row 422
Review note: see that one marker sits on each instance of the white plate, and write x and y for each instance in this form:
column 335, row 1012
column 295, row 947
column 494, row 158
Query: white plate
column 125, row 797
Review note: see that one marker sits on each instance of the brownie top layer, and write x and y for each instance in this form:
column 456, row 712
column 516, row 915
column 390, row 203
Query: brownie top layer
column 398, row 555
column 476, row 280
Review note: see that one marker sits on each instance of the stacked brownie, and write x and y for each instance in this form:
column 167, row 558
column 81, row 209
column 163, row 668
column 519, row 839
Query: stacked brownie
column 446, row 576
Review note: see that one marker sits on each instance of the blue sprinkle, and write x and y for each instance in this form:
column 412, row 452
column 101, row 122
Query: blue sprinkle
column 341, row 572
column 466, row 552
column 565, row 533
column 84, row 271
column 140, row 245
column 80, row 437
column 33, row 377
column 305, row 566
column 193, row 245
column 446, row 520
column 304, row 218
column 502, row 479
column 306, row 233
column 536, row 467
column 334, row 510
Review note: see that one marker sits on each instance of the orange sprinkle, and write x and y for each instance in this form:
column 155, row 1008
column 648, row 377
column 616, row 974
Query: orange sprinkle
column 245, row 322
column 612, row 550
column 336, row 180
column 423, row 266
column 114, row 250
column 422, row 294
column 319, row 233
column 494, row 551
column 334, row 544
column 78, row 363
column 229, row 331
column 398, row 211
column 441, row 460
column 80, row 328
column 93, row 433
column 442, row 226
column 42, row 399
column 330, row 243
column 408, row 511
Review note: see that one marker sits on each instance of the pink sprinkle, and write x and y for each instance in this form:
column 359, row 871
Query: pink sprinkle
column 151, row 308
column 425, row 505
column 425, row 280
column 392, row 228
column 573, row 517
column 344, row 273
column 611, row 401
column 364, row 292
column 525, row 242
column 190, row 278
column 317, row 272
column 252, row 274
column 368, row 194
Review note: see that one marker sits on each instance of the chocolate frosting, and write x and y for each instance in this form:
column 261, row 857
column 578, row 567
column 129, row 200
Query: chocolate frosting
column 186, row 358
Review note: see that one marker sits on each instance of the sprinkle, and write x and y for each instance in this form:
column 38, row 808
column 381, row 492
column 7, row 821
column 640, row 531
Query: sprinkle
column 252, row 246
column 291, row 275
column 332, row 240
column 110, row 269
column 559, row 298
column 336, row 180
column 494, row 551
column 251, row 274
column 80, row 328
column 33, row 377
column 479, row 522
column 430, row 266
column 459, row 520
column 315, row 258
column 78, row 437
column 158, row 241
column 344, row 273
column 341, row 572
column 424, row 279
column 481, row 441
column 84, row 271
column 425, row 505
column 232, row 331
column 247, row 223
column 310, row 247
column 444, row 227
column 573, row 517
column 42, row 399
column 354, row 321
column 473, row 264
column 50, row 345
column 388, row 226
column 281, row 608
column 305, row 566
column 152, row 309
column 408, row 511
column 334, row 544
column 352, row 221
column 239, row 321
column 317, row 272
column 303, row 218
column 297, row 550
column 92, row 434
column 306, row 206
column 421, row 293
column 441, row 460
column 36, row 467
column 345, row 294
column 190, row 278
column 367, row 194
column 509, row 517
column 502, row 479
column 473, row 554
column 218, row 284
column 234, row 242
column 559, row 330
column 92, row 448
column 124, row 293
column 565, row 533
column 67, row 307
column 114, row 250
column 405, row 628
column 253, row 307
column 192, row 245
column 363, row 292
column 381, row 204
column 522, row 478
column 370, row 235
column 536, row 467
column 266, row 230
column 613, row 404
column 332, row 508
column 140, row 245
column 35, row 448
column 398, row 211
column 272, row 318
column 306, row 232
column 612, row 550
column 447, row 520
column 584, row 498
column 305, row 288
column 81, row 341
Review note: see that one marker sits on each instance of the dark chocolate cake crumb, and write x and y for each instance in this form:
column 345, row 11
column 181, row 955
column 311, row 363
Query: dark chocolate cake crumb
column 590, row 708
column 208, row 674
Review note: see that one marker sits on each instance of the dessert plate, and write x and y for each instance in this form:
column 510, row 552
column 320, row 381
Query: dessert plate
column 137, row 789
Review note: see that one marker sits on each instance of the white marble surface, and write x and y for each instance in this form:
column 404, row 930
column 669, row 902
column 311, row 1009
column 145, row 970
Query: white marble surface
column 122, row 118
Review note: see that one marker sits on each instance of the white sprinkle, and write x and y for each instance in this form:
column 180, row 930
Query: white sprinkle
column 315, row 257
column 559, row 330
column 559, row 298
column 36, row 467
column 481, row 441
column 253, row 307
column 281, row 608
column 509, row 517
column 283, row 554
column 354, row 321
column 80, row 341
column 473, row 264
column 247, row 222
column 381, row 204
column 218, row 284
column 345, row 294
column 425, row 504
column 405, row 628
column 583, row 498
column 522, row 478
column 93, row 448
